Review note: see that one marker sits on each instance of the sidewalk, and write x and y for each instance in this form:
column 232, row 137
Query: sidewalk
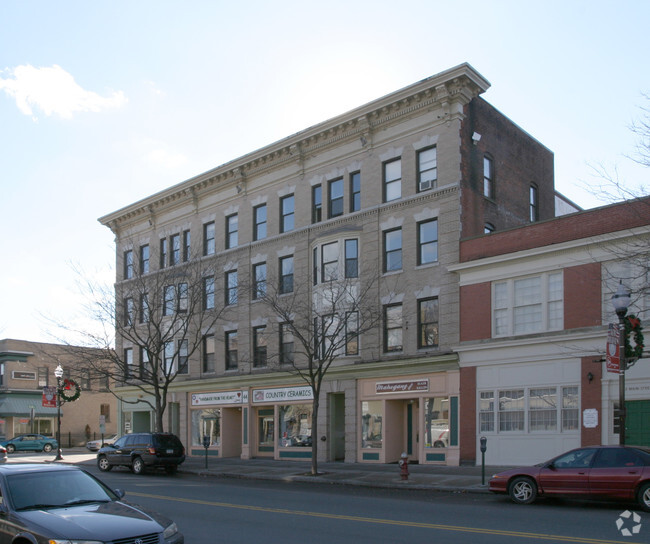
column 462, row 479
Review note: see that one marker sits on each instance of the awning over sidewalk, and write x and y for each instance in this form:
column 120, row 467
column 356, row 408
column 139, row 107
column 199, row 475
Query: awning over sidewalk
column 20, row 406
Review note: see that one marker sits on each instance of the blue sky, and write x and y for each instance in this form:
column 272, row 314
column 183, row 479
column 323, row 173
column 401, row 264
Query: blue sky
column 104, row 103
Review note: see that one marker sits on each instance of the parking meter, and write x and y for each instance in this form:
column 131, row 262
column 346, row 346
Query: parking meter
column 483, row 449
column 206, row 445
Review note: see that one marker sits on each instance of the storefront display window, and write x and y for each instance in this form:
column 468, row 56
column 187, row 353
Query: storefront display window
column 206, row 422
column 371, row 424
column 436, row 418
column 295, row 425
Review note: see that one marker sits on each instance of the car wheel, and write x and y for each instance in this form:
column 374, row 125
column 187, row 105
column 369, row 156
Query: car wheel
column 47, row 448
column 171, row 469
column 10, row 448
column 138, row 466
column 644, row 496
column 522, row 490
column 103, row 464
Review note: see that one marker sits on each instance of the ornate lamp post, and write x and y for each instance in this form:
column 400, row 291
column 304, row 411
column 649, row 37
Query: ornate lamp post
column 621, row 301
column 58, row 372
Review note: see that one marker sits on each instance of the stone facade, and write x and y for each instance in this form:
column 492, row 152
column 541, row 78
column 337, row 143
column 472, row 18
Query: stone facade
column 419, row 165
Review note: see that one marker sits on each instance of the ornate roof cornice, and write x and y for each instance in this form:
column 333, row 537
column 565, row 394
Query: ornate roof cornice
column 448, row 90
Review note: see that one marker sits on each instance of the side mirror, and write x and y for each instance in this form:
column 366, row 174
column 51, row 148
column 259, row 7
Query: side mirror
column 119, row 492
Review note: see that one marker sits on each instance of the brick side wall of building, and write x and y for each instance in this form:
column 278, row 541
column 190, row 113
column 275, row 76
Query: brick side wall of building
column 467, row 434
column 475, row 312
column 518, row 160
column 591, row 398
column 579, row 225
column 582, row 296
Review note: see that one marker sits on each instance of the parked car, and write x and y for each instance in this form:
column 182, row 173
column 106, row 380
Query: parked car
column 139, row 451
column 30, row 442
column 95, row 445
column 596, row 472
column 62, row 503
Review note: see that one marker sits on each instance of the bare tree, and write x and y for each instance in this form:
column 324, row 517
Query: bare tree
column 148, row 328
column 316, row 326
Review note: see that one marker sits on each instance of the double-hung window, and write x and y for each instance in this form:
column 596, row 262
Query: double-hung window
column 175, row 255
column 352, row 258
column 129, row 370
column 286, row 344
column 144, row 308
column 232, row 231
column 393, row 328
column 316, row 204
column 208, row 353
column 428, row 241
column 208, row 293
column 488, row 177
column 528, row 305
column 129, row 312
column 169, row 353
column 392, row 180
column 352, row 333
column 287, row 210
column 183, row 358
column 259, row 228
column 128, row 264
column 168, row 299
column 259, row 280
column 533, row 204
column 231, row 350
column 335, row 198
column 392, row 250
column 164, row 250
column 187, row 245
column 511, row 410
column 209, row 238
column 144, row 259
column 428, row 322
column 355, row 191
column 231, row 287
column 330, row 262
column 259, row 346
column 183, row 297
column 427, row 169
column 286, row 274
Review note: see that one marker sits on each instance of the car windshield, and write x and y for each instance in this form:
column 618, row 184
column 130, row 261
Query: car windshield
column 55, row 489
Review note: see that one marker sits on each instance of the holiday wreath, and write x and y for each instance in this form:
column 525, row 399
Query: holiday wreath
column 633, row 328
column 67, row 385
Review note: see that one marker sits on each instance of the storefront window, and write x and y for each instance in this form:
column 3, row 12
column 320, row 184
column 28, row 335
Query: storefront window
column 436, row 417
column 206, row 423
column 295, row 425
column 371, row 424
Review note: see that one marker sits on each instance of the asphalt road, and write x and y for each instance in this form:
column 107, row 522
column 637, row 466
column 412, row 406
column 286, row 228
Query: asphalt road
column 210, row 510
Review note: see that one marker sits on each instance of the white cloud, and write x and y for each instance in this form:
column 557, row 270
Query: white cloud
column 55, row 92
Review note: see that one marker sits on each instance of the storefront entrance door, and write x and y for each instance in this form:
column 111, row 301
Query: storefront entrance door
column 265, row 432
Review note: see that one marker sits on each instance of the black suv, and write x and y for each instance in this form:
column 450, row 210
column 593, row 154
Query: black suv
column 142, row 450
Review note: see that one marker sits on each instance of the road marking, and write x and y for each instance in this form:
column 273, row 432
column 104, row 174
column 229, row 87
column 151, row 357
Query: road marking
column 456, row 528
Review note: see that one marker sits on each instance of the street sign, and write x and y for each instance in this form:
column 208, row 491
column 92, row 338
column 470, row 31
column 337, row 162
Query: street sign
column 613, row 349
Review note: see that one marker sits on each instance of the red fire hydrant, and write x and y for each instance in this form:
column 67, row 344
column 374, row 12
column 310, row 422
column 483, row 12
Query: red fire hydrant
column 404, row 466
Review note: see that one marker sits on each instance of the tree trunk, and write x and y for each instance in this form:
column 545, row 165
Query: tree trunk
column 314, row 436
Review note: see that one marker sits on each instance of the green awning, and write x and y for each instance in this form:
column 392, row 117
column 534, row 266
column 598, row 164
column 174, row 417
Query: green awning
column 11, row 405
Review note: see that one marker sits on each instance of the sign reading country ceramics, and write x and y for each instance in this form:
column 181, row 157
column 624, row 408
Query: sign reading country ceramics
column 402, row 386
column 219, row 397
column 284, row 394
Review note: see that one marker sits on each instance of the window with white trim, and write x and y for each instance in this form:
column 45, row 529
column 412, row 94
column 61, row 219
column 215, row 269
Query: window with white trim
column 427, row 169
column 528, row 305
column 392, row 180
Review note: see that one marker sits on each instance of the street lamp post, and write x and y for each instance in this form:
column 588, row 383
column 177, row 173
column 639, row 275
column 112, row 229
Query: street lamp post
column 621, row 301
column 58, row 372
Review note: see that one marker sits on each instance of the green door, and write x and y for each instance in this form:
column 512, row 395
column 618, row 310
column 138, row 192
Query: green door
column 638, row 423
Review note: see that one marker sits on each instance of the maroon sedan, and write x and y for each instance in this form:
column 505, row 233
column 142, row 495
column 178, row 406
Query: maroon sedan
column 596, row 472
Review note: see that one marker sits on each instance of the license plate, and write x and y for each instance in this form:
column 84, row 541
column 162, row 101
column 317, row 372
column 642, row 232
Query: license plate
column 170, row 451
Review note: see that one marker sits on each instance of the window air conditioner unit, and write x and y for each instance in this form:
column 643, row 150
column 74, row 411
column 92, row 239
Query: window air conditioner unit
column 427, row 184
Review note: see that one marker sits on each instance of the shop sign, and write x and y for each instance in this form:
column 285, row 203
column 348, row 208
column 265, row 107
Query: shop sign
column 402, row 386
column 220, row 397
column 283, row 394
column 21, row 375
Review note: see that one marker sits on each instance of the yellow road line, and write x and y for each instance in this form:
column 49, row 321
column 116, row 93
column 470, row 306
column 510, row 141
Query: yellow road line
column 456, row 528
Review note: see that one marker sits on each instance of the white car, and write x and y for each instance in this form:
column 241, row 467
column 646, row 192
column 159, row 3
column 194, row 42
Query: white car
column 94, row 445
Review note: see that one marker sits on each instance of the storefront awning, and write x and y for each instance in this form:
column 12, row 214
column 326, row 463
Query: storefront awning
column 21, row 406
